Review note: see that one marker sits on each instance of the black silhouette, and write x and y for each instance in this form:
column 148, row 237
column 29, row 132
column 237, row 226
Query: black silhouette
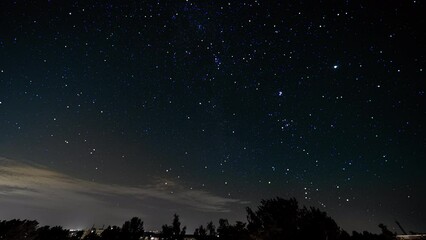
column 133, row 229
column 17, row 229
column 111, row 233
column 272, row 220
column 227, row 231
column 54, row 233
column 200, row 233
column 173, row 232
column 207, row 233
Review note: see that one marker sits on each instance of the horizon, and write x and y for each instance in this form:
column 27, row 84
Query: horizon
column 190, row 231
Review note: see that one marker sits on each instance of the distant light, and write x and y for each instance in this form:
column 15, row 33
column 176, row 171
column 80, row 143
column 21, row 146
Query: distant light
column 335, row 66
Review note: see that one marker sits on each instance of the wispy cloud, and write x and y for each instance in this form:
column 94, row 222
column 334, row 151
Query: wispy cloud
column 38, row 186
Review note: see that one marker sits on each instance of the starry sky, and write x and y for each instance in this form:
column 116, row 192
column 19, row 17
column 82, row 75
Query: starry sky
column 113, row 109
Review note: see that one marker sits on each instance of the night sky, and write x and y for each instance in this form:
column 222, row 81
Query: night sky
column 114, row 109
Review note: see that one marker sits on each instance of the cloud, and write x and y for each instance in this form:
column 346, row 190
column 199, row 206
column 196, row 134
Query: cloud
column 33, row 185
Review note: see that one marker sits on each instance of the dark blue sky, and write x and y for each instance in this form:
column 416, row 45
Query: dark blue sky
column 122, row 108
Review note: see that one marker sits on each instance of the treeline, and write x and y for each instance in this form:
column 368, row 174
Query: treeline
column 274, row 219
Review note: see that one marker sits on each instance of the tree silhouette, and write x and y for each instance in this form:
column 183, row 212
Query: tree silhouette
column 133, row 229
column 173, row 232
column 223, row 228
column 344, row 235
column 111, row 233
column 54, row 233
column 275, row 219
column 283, row 219
column 316, row 224
column 228, row 232
column 200, row 233
column 166, row 232
column 211, row 230
column 18, row 229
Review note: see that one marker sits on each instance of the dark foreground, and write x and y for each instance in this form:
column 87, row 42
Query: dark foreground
column 274, row 219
